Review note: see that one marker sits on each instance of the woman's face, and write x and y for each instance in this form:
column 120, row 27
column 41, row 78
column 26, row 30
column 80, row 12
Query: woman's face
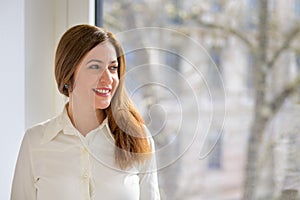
column 96, row 77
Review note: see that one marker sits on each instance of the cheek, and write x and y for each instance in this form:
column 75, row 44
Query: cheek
column 80, row 86
column 87, row 82
column 116, row 82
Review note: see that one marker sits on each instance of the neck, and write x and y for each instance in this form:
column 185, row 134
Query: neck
column 85, row 119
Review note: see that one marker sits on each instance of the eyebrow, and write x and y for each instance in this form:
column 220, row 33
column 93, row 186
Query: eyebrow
column 100, row 61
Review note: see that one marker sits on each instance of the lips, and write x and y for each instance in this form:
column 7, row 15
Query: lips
column 103, row 92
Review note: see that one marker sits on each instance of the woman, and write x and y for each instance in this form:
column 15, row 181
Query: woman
column 98, row 147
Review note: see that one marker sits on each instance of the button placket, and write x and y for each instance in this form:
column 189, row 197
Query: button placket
column 85, row 172
column 85, row 175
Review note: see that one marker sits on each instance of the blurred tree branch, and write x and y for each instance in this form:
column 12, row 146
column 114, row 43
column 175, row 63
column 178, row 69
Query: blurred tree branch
column 273, row 107
column 291, row 36
column 229, row 30
column 260, row 117
column 278, row 101
column 289, row 195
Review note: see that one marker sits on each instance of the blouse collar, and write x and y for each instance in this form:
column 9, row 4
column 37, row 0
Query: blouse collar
column 62, row 123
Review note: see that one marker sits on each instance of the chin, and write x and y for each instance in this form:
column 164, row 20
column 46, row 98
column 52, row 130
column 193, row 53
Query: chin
column 102, row 106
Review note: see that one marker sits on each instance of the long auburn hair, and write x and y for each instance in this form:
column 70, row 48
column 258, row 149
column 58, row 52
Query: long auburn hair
column 126, row 124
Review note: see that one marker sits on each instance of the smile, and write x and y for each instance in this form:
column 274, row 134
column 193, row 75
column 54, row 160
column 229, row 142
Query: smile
column 102, row 92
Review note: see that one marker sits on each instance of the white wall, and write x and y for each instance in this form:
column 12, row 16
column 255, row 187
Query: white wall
column 29, row 32
column 11, row 87
column 46, row 21
column 39, row 56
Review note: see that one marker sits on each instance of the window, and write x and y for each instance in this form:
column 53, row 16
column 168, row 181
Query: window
column 215, row 55
column 298, row 72
column 297, row 8
column 298, row 62
column 173, row 60
column 215, row 156
column 214, row 68
column 216, row 6
column 99, row 13
column 272, row 6
column 175, row 17
column 251, row 16
column 253, row 4
column 249, row 78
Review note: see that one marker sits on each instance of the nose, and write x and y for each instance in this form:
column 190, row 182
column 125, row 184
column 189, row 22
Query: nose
column 106, row 77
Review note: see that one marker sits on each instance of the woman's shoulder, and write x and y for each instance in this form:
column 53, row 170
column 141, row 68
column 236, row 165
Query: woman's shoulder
column 37, row 131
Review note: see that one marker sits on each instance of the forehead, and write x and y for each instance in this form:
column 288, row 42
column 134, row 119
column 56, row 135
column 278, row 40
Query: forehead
column 104, row 51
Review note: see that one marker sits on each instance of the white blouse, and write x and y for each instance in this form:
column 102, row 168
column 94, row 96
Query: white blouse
column 57, row 163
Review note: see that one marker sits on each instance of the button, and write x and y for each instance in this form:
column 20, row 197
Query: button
column 84, row 150
column 85, row 175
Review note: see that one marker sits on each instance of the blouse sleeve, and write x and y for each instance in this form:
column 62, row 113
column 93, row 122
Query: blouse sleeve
column 23, row 187
column 148, row 178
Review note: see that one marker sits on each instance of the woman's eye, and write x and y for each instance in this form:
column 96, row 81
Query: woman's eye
column 113, row 68
column 94, row 67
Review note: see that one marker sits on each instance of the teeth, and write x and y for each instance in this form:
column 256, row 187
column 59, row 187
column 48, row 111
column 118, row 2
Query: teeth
column 102, row 91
